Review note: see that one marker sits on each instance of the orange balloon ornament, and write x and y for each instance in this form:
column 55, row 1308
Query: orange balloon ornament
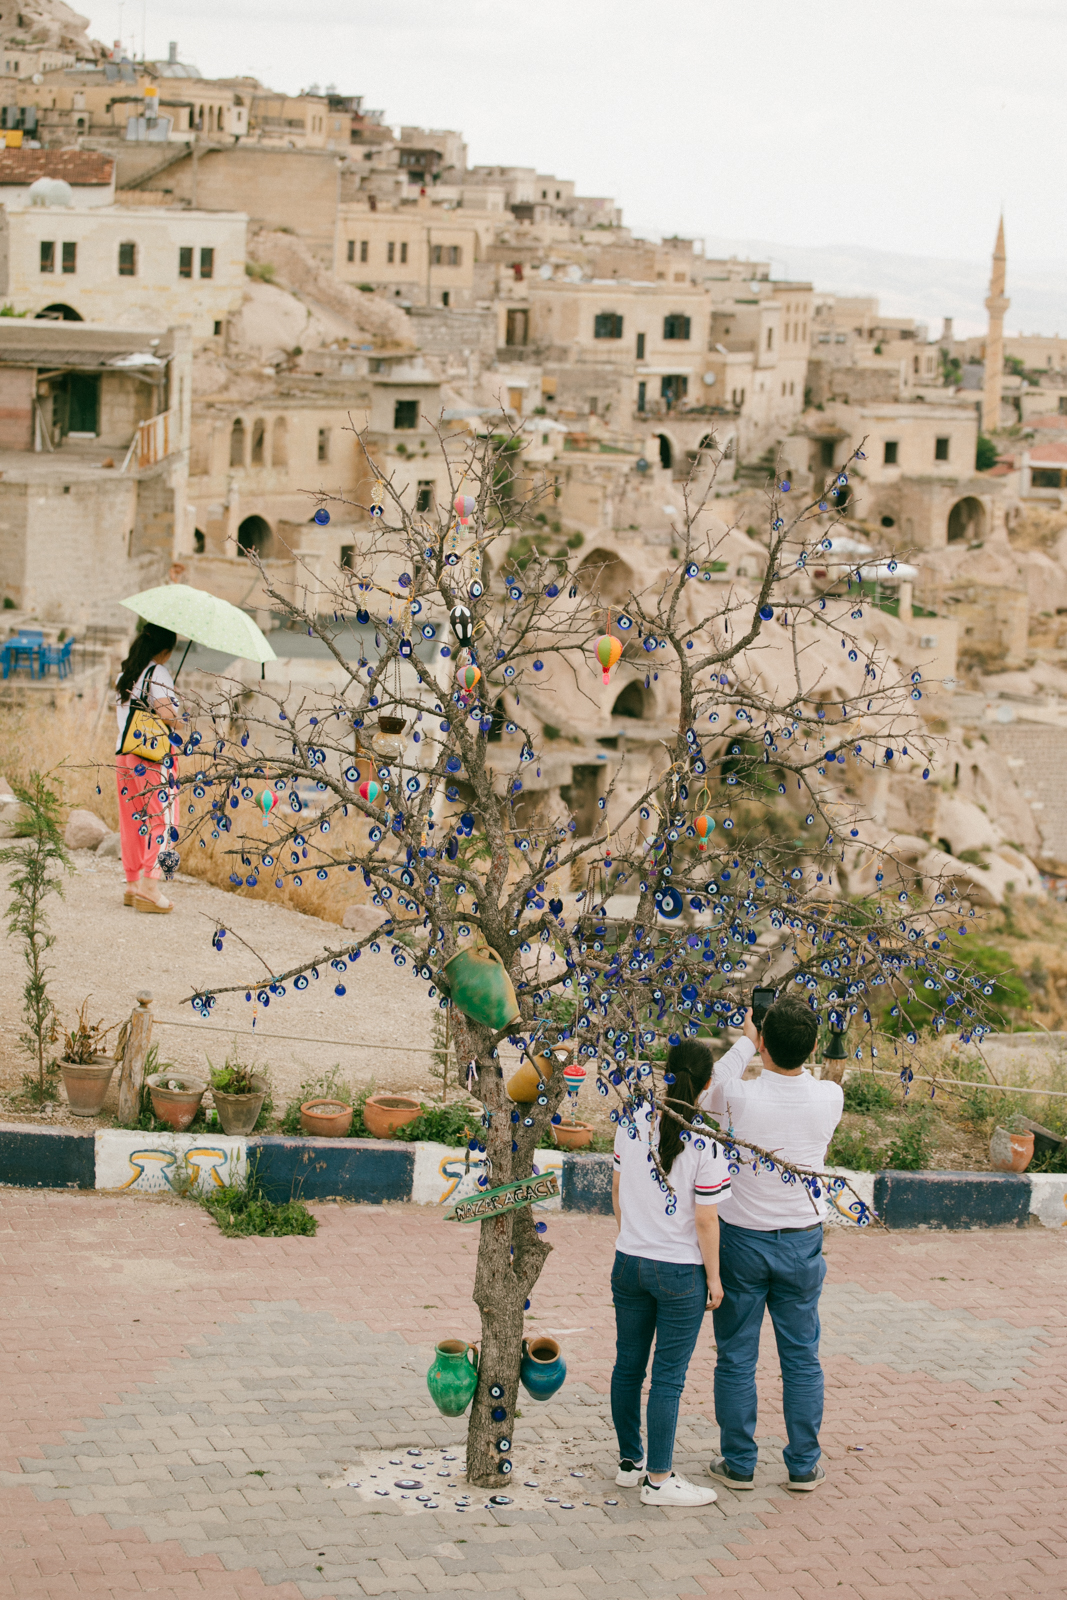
column 703, row 825
column 608, row 650
column 467, row 678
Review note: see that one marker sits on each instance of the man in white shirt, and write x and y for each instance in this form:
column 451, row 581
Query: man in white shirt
column 770, row 1248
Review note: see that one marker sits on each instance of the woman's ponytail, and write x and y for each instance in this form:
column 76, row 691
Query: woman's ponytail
column 691, row 1065
column 152, row 641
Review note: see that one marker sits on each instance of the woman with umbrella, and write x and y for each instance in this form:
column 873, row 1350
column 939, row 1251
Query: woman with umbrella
column 142, row 763
column 145, row 775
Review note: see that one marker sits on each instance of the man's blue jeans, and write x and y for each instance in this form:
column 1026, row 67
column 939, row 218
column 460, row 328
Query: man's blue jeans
column 782, row 1272
column 664, row 1300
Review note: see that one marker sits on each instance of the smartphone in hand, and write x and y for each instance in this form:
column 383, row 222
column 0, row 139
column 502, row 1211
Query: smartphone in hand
column 762, row 1001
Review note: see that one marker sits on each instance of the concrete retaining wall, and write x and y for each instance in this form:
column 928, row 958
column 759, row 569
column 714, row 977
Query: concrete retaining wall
column 374, row 1171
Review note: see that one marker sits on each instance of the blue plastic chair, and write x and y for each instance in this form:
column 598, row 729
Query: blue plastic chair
column 57, row 656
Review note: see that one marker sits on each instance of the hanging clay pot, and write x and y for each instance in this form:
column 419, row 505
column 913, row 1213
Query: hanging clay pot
column 543, row 1368
column 87, row 1084
column 478, row 983
column 522, row 1086
column 453, row 1376
column 383, row 1114
column 572, row 1135
column 1010, row 1152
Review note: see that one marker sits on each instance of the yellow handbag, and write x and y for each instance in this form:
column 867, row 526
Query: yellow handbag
column 145, row 734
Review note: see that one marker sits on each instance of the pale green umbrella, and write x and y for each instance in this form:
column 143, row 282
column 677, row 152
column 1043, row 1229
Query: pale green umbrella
column 203, row 618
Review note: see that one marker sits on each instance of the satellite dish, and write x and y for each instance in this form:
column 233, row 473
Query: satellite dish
column 641, row 464
column 709, row 379
column 546, row 270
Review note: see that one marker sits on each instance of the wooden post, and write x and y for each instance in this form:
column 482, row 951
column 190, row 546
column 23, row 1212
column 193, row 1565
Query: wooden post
column 137, row 1042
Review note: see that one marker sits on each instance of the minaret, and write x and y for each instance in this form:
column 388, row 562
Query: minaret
column 996, row 304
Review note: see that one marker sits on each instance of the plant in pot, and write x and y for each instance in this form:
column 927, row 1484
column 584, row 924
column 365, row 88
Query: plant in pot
column 239, row 1092
column 175, row 1095
column 85, row 1068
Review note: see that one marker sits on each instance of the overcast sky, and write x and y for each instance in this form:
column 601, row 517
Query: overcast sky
column 893, row 125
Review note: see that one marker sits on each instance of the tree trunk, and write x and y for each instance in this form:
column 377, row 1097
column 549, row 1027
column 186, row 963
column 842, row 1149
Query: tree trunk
column 511, row 1254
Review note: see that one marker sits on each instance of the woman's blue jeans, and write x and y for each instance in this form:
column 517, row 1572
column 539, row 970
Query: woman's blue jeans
column 781, row 1272
column 665, row 1301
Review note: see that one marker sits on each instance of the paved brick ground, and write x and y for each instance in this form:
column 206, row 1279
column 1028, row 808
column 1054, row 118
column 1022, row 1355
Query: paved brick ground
column 181, row 1415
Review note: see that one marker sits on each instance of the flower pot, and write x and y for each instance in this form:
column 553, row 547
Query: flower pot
column 453, row 1376
column 176, row 1107
column 239, row 1113
column 325, row 1119
column 522, row 1085
column 543, row 1368
column 383, row 1114
column 1010, row 1152
column 87, row 1084
column 572, row 1135
column 478, row 983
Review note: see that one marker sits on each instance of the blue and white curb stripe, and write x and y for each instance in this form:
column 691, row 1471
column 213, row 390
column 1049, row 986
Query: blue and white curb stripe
column 376, row 1171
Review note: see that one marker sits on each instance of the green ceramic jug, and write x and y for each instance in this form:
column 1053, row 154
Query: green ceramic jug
column 453, row 1376
column 478, row 983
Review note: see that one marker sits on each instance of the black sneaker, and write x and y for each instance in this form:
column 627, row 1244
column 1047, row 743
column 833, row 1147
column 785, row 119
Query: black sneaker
column 807, row 1481
column 735, row 1480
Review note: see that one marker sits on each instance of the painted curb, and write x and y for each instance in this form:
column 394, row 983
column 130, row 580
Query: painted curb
column 376, row 1171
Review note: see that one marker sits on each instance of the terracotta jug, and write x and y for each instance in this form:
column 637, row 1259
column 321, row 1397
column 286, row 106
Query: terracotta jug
column 478, row 983
column 453, row 1376
column 535, row 1069
column 1010, row 1151
column 543, row 1368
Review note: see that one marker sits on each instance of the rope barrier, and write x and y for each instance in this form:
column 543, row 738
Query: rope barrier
column 964, row 1083
column 296, row 1038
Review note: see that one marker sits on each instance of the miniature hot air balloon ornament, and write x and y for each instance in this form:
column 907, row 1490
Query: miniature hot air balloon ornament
column 608, row 650
column 573, row 1078
column 266, row 801
column 465, row 506
column 702, row 826
column 369, row 791
column 467, row 678
column 461, row 622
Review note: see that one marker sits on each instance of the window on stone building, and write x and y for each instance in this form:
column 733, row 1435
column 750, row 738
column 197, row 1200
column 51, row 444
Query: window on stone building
column 642, row 389
column 324, row 444
column 348, row 556
column 207, row 262
column 259, row 434
column 237, row 444
column 199, row 541
column 770, row 338
column 424, row 495
column 404, row 252
column 351, row 250
column 48, row 255
column 364, row 249
column 185, row 261
column 607, row 325
column 390, row 252
column 826, row 452
column 518, row 327
column 889, row 456
column 455, row 256
column 941, row 450
column 279, row 454
column 673, row 387
column 676, row 326
column 127, row 259
column 640, row 347
column 70, row 256
column 406, row 414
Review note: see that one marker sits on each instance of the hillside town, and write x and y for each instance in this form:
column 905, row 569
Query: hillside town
column 210, row 289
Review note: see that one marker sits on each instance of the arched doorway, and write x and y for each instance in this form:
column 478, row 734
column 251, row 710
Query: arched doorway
column 666, row 454
column 254, row 536
column 58, row 313
column 630, row 702
column 602, row 573
column 966, row 521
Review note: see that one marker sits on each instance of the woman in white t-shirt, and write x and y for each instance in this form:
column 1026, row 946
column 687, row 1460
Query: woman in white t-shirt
column 143, row 785
column 666, row 1272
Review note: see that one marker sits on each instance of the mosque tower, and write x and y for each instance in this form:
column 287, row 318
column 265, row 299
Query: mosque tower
column 996, row 304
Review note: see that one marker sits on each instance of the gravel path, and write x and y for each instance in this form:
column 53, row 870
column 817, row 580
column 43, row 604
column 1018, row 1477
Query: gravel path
column 107, row 951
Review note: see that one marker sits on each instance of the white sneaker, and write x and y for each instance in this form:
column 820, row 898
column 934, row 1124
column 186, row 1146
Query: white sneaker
column 630, row 1473
column 675, row 1491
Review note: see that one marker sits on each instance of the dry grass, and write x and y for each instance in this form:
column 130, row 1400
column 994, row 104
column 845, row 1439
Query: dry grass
column 1037, row 528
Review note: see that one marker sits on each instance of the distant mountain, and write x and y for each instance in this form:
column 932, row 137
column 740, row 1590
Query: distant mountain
column 925, row 287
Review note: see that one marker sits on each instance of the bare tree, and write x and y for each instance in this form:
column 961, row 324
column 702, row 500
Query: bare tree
column 735, row 841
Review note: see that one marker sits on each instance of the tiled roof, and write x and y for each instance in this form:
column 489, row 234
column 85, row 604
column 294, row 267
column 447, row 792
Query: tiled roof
column 75, row 166
column 1048, row 455
column 1052, row 422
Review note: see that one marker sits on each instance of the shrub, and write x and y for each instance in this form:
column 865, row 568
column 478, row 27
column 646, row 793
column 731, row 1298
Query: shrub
column 452, row 1124
column 242, row 1209
column 853, row 1150
column 866, row 1094
column 261, row 270
column 909, row 1150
